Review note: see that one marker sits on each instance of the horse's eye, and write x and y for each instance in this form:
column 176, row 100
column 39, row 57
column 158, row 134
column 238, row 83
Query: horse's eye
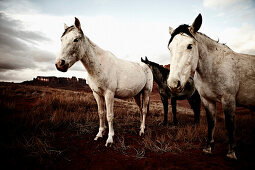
column 189, row 46
column 75, row 40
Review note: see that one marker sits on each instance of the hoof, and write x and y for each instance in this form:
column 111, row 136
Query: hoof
column 231, row 156
column 141, row 133
column 207, row 151
column 97, row 137
column 109, row 142
column 196, row 122
column 176, row 123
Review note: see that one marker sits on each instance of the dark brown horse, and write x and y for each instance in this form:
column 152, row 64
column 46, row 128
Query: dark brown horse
column 160, row 75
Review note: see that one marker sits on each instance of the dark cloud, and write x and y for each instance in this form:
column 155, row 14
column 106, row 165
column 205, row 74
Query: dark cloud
column 11, row 76
column 17, row 50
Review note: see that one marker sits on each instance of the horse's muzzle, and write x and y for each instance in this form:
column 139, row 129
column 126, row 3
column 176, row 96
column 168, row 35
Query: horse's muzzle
column 176, row 90
column 62, row 66
column 175, row 86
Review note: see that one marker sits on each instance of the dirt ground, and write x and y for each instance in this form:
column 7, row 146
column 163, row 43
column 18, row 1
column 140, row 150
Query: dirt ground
column 76, row 149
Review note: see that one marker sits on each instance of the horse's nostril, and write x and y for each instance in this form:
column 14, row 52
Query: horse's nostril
column 62, row 62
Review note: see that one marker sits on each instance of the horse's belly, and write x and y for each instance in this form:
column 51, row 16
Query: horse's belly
column 126, row 93
column 129, row 89
column 246, row 95
column 130, row 84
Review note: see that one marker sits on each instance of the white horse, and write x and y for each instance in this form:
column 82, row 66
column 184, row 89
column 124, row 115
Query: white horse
column 108, row 76
column 220, row 75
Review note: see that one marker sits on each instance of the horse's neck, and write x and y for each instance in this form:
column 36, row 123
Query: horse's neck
column 209, row 52
column 91, row 55
column 158, row 76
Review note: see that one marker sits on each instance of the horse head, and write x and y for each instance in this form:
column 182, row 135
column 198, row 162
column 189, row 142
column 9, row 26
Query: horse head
column 72, row 41
column 184, row 54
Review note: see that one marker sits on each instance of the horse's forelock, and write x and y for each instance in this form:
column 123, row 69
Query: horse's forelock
column 181, row 29
column 69, row 29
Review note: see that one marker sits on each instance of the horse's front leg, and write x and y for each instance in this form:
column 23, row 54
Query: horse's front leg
column 146, row 99
column 194, row 102
column 109, row 100
column 210, row 108
column 229, row 107
column 101, row 112
column 164, row 100
column 173, row 103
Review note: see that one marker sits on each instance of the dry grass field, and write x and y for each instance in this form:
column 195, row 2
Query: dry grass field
column 48, row 128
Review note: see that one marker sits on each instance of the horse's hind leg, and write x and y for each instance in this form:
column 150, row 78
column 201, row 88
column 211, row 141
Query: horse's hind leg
column 173, row 103
column 164, row 100
column 146, row 98
column 139, row 104
column 229, row 106
column 194, row 102
column 101, row 112
column 210, row 108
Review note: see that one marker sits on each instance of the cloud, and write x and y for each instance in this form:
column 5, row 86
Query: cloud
column 30, row 39
column 27, row 51
column 240, row 39
column 17, row 50
column 220, row 3
column 17, row 6
column 24, row 47
column 129, row 40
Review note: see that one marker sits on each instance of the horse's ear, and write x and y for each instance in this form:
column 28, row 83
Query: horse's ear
column 142, row 60
column 171, row 30
column 196, row 24
column 77, row 23
column 146, row 59
column 65, row 26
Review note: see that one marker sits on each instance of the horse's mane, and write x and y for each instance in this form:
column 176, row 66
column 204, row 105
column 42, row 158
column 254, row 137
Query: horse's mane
column 68, row 29
column 213, row 40
column 185, row 29
column 164, row 71
column 92, row 43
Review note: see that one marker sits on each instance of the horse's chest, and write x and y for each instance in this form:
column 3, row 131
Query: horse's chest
column 164, row 90
column 97, row 85
column 207, row 90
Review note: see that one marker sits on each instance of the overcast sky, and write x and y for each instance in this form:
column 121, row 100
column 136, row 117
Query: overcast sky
column 30, row 30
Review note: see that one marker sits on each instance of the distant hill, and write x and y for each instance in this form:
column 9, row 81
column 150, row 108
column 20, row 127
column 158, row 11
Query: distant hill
column 167, row 66
column 60, row 82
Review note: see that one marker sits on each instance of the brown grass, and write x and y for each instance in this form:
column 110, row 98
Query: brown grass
column 31, row 117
